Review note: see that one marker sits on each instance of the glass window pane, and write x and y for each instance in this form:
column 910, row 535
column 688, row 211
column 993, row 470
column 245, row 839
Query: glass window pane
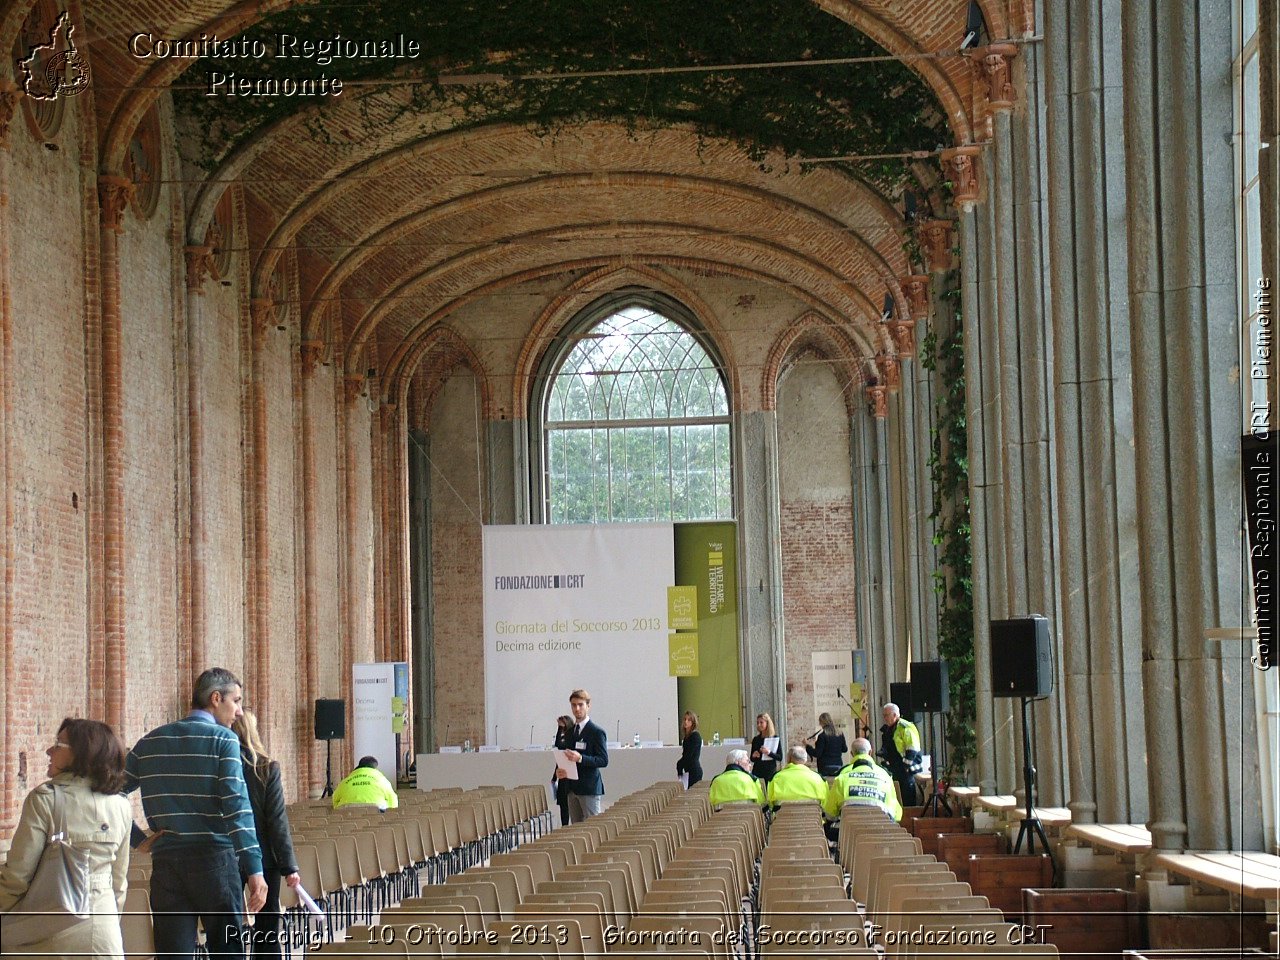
column 648, row 371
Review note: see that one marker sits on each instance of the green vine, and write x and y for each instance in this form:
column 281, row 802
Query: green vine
column 821, row 111
column 953, row 580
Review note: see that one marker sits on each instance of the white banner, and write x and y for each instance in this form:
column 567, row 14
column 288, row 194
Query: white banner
column 372, row 687
column 578, row 606
column 832, row 674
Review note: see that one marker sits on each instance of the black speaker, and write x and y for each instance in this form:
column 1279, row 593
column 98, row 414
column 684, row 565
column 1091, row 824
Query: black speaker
column 331, row 719
column 929, row 691
column 900, row 693
column 1021, row 657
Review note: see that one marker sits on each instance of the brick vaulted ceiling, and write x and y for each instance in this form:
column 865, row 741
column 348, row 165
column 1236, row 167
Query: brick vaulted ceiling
column 404, row 215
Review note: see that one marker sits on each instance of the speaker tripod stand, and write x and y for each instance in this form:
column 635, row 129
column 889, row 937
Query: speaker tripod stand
column 937, row 800
column 328, row 770
column 1031, row 826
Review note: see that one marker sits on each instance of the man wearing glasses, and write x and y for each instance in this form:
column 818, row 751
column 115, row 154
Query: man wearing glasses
column 194, row 795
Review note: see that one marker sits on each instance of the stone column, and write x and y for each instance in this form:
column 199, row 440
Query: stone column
column 760, row 560
column 1187, row 420
column 918, row 386
column 507, row 457
column 114, row 194
column 886, row 662
column 866, row 554
column 903, row 514
column 422, row 657
column 996, row 761
column 1092, row 410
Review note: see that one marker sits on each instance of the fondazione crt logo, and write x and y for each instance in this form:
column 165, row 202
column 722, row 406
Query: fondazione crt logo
column 55, row 69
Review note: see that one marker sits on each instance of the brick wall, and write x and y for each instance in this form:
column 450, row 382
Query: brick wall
column 150, row 323
column 817, row 530
column 47, row 425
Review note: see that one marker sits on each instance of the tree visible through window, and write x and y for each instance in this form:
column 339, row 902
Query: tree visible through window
column 637, row 425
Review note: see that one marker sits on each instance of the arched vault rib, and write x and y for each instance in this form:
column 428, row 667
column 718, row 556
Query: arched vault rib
column 476, row 149
column 817, row 275
column 603, row 281
column 807, row 219
column 891, row 37
column 396, row 362
column 157, row 77
column 828, row 338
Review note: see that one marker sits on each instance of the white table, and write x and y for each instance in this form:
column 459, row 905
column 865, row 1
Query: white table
column 630, row 769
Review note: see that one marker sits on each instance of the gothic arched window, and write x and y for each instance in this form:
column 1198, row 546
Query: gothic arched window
column 635, row 423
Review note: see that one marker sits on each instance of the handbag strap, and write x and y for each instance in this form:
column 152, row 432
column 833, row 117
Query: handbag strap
column 59, row 815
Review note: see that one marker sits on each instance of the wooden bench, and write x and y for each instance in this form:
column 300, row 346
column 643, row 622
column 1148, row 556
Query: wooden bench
column 1085, row 924
column 1213, row 899
column 1102, row 854
column 964, row 797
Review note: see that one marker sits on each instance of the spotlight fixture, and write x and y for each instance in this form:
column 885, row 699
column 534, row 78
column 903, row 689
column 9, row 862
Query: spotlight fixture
column 887, row 313
column 909, row 206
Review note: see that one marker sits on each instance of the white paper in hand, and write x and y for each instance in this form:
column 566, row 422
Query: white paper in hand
column 305, row 899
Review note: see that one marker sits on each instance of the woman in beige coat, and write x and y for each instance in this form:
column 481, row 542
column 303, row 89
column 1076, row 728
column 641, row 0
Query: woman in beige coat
column 87, row 761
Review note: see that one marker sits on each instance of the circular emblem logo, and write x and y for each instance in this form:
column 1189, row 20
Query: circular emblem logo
column 67, row 74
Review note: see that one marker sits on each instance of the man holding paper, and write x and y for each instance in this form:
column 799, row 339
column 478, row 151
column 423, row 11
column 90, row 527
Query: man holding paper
column 588, row 756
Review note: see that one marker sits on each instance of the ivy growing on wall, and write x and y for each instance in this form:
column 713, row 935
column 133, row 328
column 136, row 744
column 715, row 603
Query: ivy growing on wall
column 943, row 355
column 819, row 111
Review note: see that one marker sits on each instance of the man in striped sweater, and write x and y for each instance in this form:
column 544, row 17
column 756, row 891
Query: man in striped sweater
column 195, row 798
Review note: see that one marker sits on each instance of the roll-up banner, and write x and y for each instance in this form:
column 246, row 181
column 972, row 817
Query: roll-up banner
column 373, row 687
column 578, row 606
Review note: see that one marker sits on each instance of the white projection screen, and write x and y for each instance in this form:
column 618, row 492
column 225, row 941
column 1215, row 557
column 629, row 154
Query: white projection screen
column 569, row 606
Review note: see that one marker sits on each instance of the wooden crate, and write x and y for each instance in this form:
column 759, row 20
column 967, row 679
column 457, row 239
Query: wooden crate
column 1001, row 878
column 954, row 849
column 1087, row 923
column 928, row 829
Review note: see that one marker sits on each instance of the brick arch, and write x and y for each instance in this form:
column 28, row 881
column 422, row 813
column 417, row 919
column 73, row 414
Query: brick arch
column 144, row 89
column 808, row 218
column 447, row 350
column 890, row 35
column 601, row 282
column 823, row 336
column 803, row 272
column 405, row 349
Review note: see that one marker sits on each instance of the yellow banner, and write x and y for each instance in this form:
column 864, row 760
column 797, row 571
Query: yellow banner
column 682, row 650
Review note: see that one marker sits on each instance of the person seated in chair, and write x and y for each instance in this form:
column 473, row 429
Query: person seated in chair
column 736, row 784
column 796, row 782
column 863, row 782
column 366, row 784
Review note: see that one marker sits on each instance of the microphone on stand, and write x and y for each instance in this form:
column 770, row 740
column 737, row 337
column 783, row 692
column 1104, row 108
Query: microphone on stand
column 495, row 734
column 531, row 726
column 447, row 727
column 659, row 729
column 617, row 732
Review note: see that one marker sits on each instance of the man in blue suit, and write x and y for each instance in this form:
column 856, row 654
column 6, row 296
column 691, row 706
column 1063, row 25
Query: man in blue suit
column 590, row 753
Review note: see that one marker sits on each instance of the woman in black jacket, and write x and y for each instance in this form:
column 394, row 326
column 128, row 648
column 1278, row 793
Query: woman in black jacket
column 266, row 796
column 690, row 761
column 763, row 763
column 827, row 746
column 563, row 741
